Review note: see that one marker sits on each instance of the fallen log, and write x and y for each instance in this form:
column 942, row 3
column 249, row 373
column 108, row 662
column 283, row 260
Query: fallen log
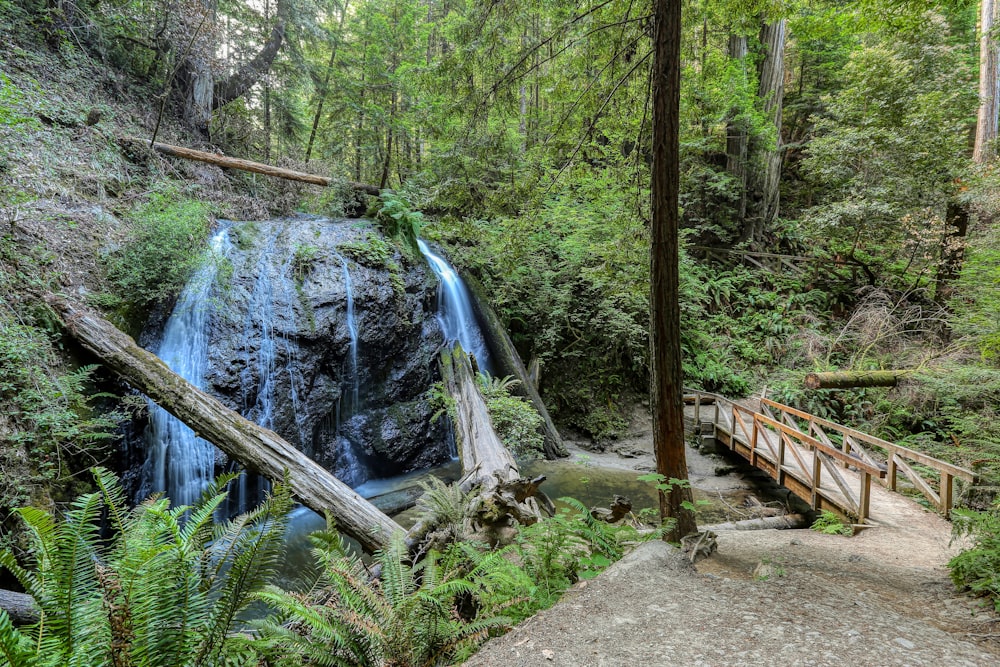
column 486, row 462
column 20, row 607
column 257, row 448
column 255, row 167
column 510, row 363
column 782, row 522
column 850, row 379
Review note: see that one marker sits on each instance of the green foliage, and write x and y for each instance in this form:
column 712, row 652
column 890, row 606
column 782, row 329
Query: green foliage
column 977, row 568
column 440, row 401
column 412, row 615
column 12, row 107
column 829, row 523
column 49, row 423
column 570, row 546
column 166, row 247
column 516, row 421
column 167, row 587
column 374, row 251
column 303, row 258
column 976, row 304
column 399, row 221
column 890, row 145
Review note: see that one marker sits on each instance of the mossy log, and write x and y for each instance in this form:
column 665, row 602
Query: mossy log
column 486, row 463
column 850, row 379
column 257, row 448
column 510, row 363
column 254, row 167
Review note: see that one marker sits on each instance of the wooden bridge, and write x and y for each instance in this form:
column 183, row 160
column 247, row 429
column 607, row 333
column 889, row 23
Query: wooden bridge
column 828, row 465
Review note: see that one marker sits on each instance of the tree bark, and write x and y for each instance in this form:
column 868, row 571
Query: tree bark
column 511, row 364
column 737, row 141
column 20, row 607
column 666, row 389
column 764, row 176
column 956, row 220
column 849, row 379
column 257, row 448
column 255, row 167
column 486, row 463
column 989, row 84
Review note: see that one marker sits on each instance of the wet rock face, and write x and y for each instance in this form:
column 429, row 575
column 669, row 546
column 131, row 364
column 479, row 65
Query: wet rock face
column 283, row 351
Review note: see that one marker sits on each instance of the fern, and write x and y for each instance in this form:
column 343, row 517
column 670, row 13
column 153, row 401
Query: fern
column 168, row 587
column 409, row 617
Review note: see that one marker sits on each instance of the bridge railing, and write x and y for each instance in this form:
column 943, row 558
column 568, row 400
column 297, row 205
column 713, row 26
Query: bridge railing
column 898, row 459
column 856, row 449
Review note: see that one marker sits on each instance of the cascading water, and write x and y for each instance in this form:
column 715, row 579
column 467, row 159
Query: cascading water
column 178, row 462
column 458, row 320
column 350, row 469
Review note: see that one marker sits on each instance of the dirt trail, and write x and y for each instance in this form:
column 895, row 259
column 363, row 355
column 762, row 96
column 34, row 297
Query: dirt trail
column 793, row 597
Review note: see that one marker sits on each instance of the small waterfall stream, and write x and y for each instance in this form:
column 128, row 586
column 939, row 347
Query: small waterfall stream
column 178, row 462
column 351, row 468
column 458, row 320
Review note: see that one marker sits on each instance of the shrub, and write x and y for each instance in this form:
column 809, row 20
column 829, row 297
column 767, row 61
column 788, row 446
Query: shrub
column 516, row 421
column 977, row 569
column 167, row 245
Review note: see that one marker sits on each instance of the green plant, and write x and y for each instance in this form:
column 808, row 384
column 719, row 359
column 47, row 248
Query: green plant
column 412, row 615
column 977, row 568
column 516, row 421
column 373, row 251
column 167, row 587
column 303, row 258
column 166, row 247
column 397, row 219
column 829, row 523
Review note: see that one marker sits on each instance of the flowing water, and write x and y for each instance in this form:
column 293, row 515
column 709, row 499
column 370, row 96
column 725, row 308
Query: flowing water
column 351, row 468
column 178, row 462
column 458, row 319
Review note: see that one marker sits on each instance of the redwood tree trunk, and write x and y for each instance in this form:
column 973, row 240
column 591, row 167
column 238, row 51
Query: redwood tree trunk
column 989, row 86
column 764, row 176
column 736, row 135
column 666, row 387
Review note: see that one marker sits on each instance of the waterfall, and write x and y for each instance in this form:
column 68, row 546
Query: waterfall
column 350, row 469
column 352, row 330
column 458, row 320
column 179, row 463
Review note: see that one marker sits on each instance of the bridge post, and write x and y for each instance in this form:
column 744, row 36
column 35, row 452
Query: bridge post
column 817, row 468
column 946, row 492
column 864, row 501
column 891, row 472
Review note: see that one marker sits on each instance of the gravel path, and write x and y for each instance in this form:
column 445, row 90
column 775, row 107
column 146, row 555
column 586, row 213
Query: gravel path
column 793, row 597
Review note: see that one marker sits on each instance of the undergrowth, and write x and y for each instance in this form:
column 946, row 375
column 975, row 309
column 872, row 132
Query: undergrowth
column 977, row 569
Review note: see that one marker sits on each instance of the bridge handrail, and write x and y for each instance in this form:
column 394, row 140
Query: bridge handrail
column 832, row 452
column 897, row 455
column 890, row 447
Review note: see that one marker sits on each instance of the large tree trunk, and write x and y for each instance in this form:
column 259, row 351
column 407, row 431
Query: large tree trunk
column 666, row 389
column 485, row 461
column 510, row 363
column 989, row 85
column 257, row 448
column 196, row 75
column 255, row 167
column 764, row 176
column 737, row 141
column 956, row 220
